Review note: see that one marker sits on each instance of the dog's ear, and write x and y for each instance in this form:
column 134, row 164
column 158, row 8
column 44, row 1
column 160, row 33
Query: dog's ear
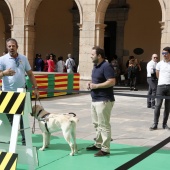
column 71, row 113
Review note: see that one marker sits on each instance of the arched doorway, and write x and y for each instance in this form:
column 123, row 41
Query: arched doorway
column 129, row 25
column 142, row 30
column 115, row 18
column 51, row 27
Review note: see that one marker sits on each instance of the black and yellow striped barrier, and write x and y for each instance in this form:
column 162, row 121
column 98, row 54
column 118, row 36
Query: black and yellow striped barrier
column 8, row 161
column 12, row 102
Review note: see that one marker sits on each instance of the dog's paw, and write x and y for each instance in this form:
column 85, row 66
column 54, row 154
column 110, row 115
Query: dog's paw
column 76, row 151
column 71, row 154
column 41, row 149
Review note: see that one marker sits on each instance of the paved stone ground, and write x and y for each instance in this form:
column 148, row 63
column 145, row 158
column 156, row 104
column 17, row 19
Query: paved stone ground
column 130, row 119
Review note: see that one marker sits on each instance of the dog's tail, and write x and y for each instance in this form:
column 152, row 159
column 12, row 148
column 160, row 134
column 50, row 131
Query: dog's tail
column 74, row 118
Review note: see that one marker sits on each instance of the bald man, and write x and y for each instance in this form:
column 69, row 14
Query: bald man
column 152, row 80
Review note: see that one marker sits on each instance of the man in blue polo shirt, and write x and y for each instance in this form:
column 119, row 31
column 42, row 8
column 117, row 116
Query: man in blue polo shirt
column 12, row 72
column 101, row 87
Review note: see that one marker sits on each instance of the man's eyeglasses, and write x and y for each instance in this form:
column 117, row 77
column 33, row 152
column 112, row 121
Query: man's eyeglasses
column 164, row 53
column 155, row 57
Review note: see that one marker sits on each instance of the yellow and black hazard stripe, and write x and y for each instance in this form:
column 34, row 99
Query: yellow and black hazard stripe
column 8, row 161
column 12, row 102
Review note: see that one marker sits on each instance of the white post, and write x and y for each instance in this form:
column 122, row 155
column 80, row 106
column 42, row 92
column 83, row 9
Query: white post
column 14, row 133
column 26, row 154
column 32, row 158
column 15, row 128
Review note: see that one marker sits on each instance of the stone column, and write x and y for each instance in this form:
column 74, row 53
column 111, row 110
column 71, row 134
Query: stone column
column 100, row 28
column 163, row 37
column 30, row 43
column 87, row 41
column 165, row 26
column 18, row 23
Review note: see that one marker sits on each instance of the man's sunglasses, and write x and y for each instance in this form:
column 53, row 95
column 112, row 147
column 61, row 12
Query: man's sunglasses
column 164, row 53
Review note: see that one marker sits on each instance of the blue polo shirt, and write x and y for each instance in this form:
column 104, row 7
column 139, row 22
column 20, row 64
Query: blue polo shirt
column 20, row 65
column 100, row 74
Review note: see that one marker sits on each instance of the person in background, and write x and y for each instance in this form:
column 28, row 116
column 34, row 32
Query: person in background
column 39, row 63
column 116, row 68
column 163, row 89
column 130, row 58
column 132, row 74
column 60, row 66
column 13, row 67
column 127, row 83
column 101, row 87
column 46, row 63
column 54, row 59
column 152, row 80
column 51, row 63
column 138, row 75
column 70, row 63
column 138, row 64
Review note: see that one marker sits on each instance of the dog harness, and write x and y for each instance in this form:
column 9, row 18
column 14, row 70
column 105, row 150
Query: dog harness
column 39, row 112
column 43, row 119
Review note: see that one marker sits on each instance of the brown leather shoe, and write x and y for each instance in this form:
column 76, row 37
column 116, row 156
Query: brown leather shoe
column 101, row 153
column 92, row 148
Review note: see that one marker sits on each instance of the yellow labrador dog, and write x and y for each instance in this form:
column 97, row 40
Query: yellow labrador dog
column 50, row 123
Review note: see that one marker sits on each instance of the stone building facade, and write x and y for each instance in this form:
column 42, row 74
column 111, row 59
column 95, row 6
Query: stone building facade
column 75, row 26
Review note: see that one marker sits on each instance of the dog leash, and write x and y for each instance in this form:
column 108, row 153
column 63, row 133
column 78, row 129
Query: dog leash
column 40, row 102
column 33, row 127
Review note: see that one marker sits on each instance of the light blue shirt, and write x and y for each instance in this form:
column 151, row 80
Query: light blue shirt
column 20, row 65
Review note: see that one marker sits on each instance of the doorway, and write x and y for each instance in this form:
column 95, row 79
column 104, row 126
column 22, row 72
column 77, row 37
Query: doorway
column 110, row 39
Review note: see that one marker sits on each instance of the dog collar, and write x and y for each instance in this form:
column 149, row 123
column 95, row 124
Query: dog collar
column 39, row 112
column 45, row 115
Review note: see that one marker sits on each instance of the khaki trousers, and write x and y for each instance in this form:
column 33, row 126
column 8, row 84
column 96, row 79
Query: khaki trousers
column 100, row 112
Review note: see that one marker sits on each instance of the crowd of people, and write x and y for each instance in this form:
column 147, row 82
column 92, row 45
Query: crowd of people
column 14, row 65
column 130, row 75
column 51, row 64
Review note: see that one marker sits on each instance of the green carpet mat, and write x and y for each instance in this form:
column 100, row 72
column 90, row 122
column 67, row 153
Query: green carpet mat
column 57, row 157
